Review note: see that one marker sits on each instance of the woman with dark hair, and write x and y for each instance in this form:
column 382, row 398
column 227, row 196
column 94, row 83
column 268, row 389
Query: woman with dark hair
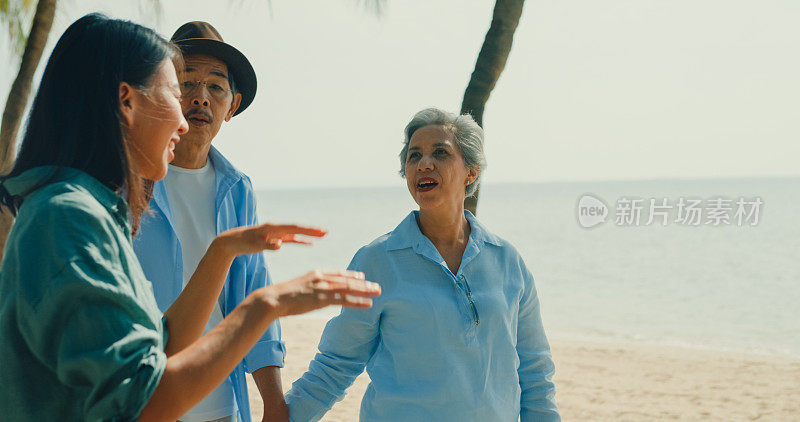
column 81, row 337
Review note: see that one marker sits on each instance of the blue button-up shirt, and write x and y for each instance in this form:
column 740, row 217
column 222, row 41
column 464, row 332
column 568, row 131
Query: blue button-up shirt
column 159, row 252
column 437, row 346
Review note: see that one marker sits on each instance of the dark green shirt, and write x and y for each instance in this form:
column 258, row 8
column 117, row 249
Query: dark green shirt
column 81, row 337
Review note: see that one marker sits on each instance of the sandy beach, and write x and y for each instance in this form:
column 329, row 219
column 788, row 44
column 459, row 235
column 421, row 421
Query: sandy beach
column 614, row 382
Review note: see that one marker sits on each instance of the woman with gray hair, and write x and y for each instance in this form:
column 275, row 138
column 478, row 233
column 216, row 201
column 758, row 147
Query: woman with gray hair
column 457, row 333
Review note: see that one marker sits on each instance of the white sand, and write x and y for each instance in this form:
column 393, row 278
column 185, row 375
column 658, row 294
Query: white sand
column 611, row 382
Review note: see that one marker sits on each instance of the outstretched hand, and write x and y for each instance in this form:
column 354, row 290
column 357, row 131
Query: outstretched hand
column 252, row 239
column 318, row 289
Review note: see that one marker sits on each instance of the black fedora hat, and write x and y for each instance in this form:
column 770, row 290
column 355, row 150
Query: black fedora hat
column 201, row 38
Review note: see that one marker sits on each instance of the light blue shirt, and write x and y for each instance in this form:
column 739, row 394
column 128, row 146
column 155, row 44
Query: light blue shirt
column 437, row 346
column 159, row 252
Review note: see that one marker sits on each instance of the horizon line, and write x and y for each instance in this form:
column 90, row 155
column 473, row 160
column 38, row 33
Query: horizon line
column 541, row 182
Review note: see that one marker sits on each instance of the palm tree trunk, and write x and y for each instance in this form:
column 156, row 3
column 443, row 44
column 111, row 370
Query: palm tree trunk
column 490, row 64
column 18, row 97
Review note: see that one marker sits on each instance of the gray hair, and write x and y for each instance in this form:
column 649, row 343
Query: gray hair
column 467, row 134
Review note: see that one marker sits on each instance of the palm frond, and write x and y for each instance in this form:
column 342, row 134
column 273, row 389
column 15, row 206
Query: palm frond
column 376, row 7
column 151, row 11
column 14, row 15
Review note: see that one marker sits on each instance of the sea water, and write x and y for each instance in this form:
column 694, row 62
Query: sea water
column 731, row 286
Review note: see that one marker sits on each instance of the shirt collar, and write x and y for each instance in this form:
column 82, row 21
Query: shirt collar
column 408, row 235
column 23, row 183
column 479, row 231
column 223, row 167
column 34, row 178
column 226, row 176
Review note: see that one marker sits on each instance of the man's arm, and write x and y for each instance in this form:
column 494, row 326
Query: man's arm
column 268, row 380
column 267, row 357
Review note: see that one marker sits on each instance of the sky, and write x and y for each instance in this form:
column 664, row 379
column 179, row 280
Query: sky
column 611, row 90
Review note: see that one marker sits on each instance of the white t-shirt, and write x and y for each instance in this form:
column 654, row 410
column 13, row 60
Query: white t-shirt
column 192, row 197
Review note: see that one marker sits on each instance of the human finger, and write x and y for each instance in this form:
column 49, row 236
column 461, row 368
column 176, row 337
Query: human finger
column 284, row 229
column 302, row 242
column 341, row 273
column 334, row 281
column 291, row 238
column 274, row 244
column 347, row 285
column 351, row 301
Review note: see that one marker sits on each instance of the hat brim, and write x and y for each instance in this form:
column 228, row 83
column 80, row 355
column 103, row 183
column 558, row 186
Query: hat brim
column 240, row 68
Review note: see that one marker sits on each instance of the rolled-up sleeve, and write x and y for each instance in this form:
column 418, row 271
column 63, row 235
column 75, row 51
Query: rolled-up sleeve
column 91, row 331
column 536, row 366
column 270, row 350
column 348, row 342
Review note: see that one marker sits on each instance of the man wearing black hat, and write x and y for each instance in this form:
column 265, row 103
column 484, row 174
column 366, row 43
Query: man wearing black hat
column 202, row 196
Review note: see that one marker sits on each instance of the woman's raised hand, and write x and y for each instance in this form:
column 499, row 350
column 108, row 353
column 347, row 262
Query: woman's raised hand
column 318, row 289
column 252, row 239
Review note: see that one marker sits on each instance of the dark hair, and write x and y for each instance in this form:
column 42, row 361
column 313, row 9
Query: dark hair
column 75, row 120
